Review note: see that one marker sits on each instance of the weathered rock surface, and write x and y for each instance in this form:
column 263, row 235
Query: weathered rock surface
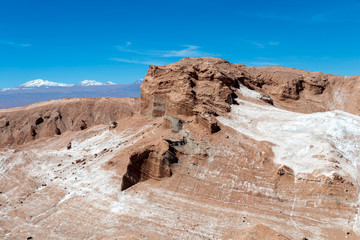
column 206, row 87
column 217, row 151
column 46, row 119
column 259, row 232
column 304, row 91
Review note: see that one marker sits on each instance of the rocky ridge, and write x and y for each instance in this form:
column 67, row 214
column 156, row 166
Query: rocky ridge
column 47, row 119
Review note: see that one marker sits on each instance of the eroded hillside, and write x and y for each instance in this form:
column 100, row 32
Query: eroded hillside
column 215, row 151
column 46, row 119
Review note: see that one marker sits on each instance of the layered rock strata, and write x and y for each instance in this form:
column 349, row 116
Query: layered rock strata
column 217, row 151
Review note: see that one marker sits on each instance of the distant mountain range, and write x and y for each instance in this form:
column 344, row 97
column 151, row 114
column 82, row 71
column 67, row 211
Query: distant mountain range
column 45, row 83
column 43, row 90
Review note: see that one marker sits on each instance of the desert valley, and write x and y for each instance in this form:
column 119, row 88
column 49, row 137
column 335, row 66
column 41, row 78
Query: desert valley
column 211, row 150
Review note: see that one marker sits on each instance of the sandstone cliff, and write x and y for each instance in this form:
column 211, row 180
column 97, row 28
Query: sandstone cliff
column 209, row 84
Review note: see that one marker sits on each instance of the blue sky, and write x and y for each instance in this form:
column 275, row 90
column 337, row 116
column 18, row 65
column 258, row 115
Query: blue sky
column 108, row 40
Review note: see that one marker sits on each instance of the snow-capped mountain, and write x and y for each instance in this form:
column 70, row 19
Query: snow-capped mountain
column 43, row 83
column 40, row 83
column 94, row 83
column 139, row 81
column 43, row 90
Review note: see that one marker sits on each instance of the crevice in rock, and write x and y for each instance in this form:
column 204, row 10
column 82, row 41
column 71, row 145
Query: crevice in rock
column 176, row 143
column 236, row 84
column 58, row 117
column 83, row 125
column 114, row 125
column 195, row 76
column 231, row 99
column 214, row 127
column 33, row 131
column 39, row 121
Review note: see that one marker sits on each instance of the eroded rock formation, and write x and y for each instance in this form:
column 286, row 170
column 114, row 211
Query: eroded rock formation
column 46, row 119
column 154, row 162
column 216, row 151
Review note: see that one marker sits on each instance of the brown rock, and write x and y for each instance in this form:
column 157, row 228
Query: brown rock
column 152, row 162
column 52, row 118
column 184, row 175
column 207, row 86
column 259, row 232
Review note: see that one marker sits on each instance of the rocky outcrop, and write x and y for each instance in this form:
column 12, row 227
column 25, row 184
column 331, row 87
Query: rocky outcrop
column 305, row 91
column 189, row 88
column 207, row 86
column 192, row 93
column 25, row 124
column 209, row 156
column 152, row 162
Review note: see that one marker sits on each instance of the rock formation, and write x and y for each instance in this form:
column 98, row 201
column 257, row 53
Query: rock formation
column 213, row 150
column 46, row 119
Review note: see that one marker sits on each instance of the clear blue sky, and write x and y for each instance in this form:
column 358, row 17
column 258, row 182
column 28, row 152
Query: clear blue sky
column 108, row 40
